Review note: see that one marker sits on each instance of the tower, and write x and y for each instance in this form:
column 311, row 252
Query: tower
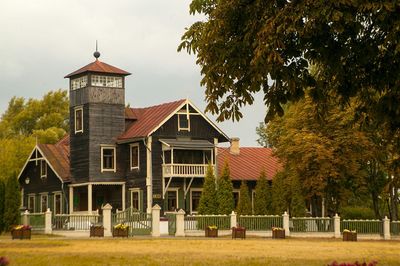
column 97, row 105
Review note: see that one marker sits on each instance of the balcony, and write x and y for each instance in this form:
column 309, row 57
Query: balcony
column 184, row 170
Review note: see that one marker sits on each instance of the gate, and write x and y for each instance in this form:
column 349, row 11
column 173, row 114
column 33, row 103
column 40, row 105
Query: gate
column 171, row 223
column 139, row 222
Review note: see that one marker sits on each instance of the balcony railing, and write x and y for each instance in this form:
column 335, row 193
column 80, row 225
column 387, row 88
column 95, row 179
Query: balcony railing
column 184, row 170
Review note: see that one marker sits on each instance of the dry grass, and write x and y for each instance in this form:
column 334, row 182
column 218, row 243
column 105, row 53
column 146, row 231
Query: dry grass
column 221, row 251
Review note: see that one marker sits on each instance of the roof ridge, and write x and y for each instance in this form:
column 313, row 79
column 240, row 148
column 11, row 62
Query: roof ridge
column 157, row 105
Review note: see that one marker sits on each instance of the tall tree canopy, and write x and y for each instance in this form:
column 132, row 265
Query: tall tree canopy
column 244, row 46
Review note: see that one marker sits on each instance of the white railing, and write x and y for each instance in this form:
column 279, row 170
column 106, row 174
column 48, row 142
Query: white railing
column 184, row 170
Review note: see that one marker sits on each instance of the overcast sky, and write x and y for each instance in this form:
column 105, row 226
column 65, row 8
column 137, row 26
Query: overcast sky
column 43, row 40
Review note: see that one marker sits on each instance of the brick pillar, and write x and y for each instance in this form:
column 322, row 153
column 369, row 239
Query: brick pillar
column 180, row 223
column 336, row 224
column 155, row 216
column 47, row 222
column 107, row 219
column 286, row 223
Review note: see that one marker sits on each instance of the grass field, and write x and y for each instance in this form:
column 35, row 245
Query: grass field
column 221, row 251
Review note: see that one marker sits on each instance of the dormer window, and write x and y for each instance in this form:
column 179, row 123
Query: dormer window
column 107, row 81
column 108, row 159
column 43, row 169
column 78, row 119
column 78, row 83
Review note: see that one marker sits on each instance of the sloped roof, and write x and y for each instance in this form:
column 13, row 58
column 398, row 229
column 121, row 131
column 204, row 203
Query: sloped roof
column 248, row 164
column 99, row 67
column 149, row 118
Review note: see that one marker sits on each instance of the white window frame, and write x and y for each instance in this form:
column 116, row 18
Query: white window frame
column 34, row 202
column 41, row 201
column 173, row 189
column 138, row 157
column 191, row 203
column 57, row 193
column 43, row 169
column 179, row 113
column 78, row 83
column 135, row 190
column 103, row 147
column 78, row 108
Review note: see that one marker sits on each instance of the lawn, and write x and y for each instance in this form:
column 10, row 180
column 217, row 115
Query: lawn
column 221, row 251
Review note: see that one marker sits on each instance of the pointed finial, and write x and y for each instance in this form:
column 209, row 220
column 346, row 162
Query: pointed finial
column 96, row 54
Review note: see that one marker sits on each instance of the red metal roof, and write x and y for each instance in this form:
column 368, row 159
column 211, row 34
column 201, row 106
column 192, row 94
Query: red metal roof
column 148, row 119
column 99, row 67
column 248, row 164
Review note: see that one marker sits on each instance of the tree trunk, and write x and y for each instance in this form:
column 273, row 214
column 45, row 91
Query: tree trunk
column 316, row 206
column 375, row 203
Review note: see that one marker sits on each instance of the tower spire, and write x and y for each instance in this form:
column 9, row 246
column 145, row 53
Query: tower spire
column 96, row 54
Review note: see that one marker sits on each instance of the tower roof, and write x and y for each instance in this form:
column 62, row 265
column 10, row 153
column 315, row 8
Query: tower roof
column 99, row 67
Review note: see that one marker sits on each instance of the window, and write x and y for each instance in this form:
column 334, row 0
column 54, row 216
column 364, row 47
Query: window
column 57, row 203
column 43, row 203
column 78, row 119
column 78, row 83
column 236, row 196
column 195, row 199
column 108, row 160
column 135, row 199
column 184, row 118
column 31, row 203
column 43, row 169
column 135, row 156
column 107, row 81
column 172, row 200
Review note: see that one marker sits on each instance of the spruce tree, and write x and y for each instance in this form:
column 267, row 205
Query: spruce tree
column 208, row 199
column 279, row 193
column 225, row 192
column 2, row 192
column 297, row 201
column 263, row 197
column 244, row 205
column 12, row 202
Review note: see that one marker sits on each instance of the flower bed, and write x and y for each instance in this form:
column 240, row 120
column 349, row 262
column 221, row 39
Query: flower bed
column 21, row 232
column 349, row 235
column 278, row 232
column 211, row 231
column 96, row 231
column 239, row 232
column 120, row 230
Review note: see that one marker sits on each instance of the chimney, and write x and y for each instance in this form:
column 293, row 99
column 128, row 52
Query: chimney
column 235, row 148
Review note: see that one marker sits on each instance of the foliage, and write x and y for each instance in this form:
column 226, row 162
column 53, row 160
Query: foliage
column 2, row 205
column 12, row 202
column 297, row 201
column 243, row 47
column 356, row 212
column 280, row 196
column 262, row 135
column 225, row 192
column 208, row 199
column 244, row 204
column 263, row 196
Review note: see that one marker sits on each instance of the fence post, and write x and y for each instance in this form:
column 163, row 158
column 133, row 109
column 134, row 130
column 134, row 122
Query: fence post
column 155, row 223
column 386, row 228
column 233, row 219
column 25, row 218
column 107, row 219
column 47, row 222
column 286, row 223
column 180, row 223
column 336, row 225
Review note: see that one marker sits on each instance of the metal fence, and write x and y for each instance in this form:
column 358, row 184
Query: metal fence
column 311, row 224
column 139, row 223
column 395, row 228
column 362, row 226
column 36, row 221
column 81, row 222
column 200, row 222
column 260, row 222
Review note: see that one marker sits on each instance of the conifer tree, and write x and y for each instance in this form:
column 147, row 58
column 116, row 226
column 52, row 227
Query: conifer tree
column 263, row 196
column 244, row 205
column 208, row 199
column 225, row 192
column 2, row 192
column 12, row 202
column 279, row 194
column 297, row 201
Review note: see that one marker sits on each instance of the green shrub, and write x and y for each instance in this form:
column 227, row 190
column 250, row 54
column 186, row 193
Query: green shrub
column 354, row 212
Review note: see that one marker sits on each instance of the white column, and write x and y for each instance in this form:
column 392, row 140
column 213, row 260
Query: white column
column 90, row 207
column 386, row 228
column 71, row 200
column 47, row 222
column 149, row 178
column 233, row 219
column 336, row 224
column 180, row 223
column 286, row 223
column 216, row 156
column 25, row 219
column 107, row 219
column 123, row 197
column 155, row 216
column 323, row 207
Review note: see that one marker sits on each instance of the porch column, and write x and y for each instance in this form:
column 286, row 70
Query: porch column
column 71, row 199
column 216, row 157
column 149, row 178
column 123, row 196
column 90, row 209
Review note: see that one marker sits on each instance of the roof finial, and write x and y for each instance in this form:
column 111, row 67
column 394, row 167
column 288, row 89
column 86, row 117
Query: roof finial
column 96, row 54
